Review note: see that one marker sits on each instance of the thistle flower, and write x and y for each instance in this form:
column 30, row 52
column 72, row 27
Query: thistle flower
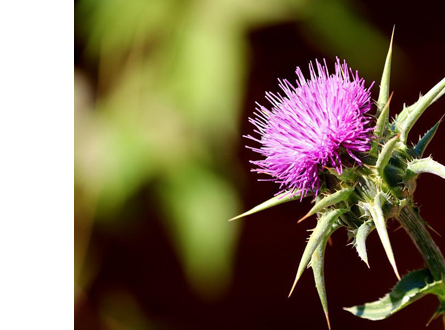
column 309, row 127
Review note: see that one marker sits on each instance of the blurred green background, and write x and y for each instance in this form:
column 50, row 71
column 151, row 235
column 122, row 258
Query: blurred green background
column 163, row 91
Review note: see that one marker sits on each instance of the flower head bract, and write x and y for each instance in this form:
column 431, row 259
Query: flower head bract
column 311, row 125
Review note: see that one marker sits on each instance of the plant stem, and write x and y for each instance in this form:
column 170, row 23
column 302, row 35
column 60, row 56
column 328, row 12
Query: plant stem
column 413, row 223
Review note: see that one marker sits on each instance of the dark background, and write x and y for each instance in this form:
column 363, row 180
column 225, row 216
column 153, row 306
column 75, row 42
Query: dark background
column 129, row 273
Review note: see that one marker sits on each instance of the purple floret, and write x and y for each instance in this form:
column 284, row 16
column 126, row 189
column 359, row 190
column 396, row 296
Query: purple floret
column 305, row 128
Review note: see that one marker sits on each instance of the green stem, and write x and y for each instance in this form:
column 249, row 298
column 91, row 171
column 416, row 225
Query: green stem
column 413, row 223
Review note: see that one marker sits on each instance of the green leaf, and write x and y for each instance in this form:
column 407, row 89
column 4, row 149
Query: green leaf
column 382, row 120
column 427, row 165
column 323, row 226
column 348, row 174
column 403, row 115
column 322, row 30
column 360, row 240
column 329, row 200
column 380, row 225
column 317, row 264
column 383, row 99
column 442, row 92
column 410, row 288
column 381, row 126
column 385, row 155
column 426, row 139
column 414, row 113
column 274, row 201
column 195, row 202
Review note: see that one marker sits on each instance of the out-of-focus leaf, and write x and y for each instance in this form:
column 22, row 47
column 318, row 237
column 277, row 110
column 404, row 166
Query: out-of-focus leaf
column 113, row 26
column 198, row 203
column 119, row 310
column 118, row 151
column 111, row 160
column 250, row 13
column 327, row 20
column 203, row 72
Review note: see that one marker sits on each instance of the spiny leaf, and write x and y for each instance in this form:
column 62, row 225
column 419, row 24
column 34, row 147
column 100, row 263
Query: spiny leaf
column 380, row 225
column 319, row 233
column 420, row 108
column 425, row 140
column 410, row 288
column 348, row 174
column 427, row 165
column 385, row 155
column 360, row 240
column 381, row 126
column 317, row 264
column 329, row 200
column 382, row 120
column 274, row 201
column 403, row 115
column 384, row 84
column 442, row 92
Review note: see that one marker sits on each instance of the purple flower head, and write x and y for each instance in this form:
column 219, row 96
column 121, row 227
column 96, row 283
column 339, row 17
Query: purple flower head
column 310, row 125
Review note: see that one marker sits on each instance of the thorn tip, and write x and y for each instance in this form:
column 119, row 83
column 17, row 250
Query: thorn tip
column 293, row 286
column 396, row 271
column 303, row 218
column 327, row 320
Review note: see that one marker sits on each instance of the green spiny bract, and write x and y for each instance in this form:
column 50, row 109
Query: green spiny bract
column 364, row 198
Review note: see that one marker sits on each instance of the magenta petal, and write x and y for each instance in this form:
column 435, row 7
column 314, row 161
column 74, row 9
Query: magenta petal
column 304, row 129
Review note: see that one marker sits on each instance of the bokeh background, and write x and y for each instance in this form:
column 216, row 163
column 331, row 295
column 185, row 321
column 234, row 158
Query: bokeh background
column 163, row 92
